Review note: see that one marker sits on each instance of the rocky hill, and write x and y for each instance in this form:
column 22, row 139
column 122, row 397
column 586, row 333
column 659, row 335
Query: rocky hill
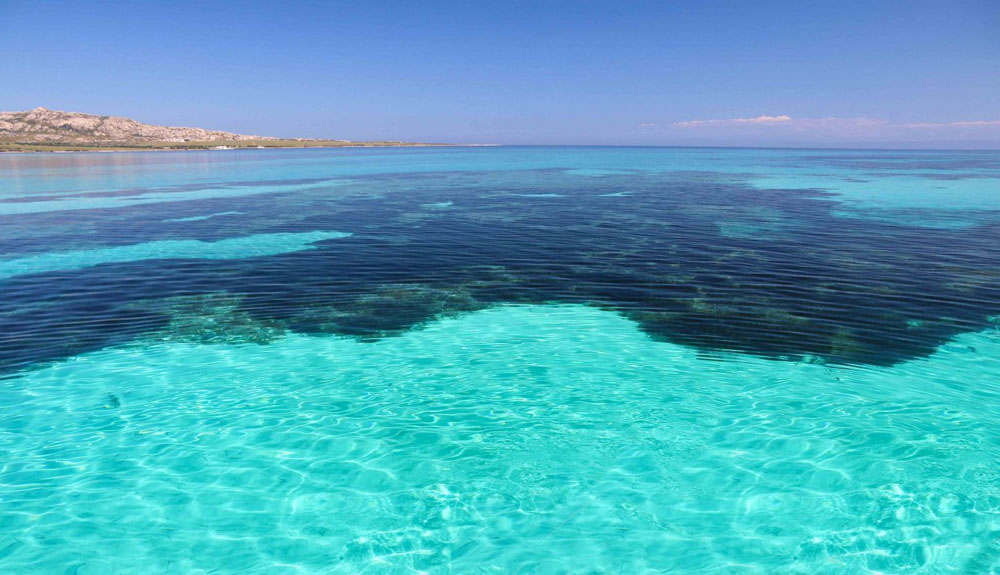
column 43, row 126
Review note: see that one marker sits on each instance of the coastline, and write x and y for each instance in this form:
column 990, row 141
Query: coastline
column 43, row 148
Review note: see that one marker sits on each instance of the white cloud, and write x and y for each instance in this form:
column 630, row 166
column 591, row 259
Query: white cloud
column 835, row 122
column 735, row 121
column 832, row 130
column 829, row 123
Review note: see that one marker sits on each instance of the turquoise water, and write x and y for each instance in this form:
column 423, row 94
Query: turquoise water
column 232, row 248
column 511, row 360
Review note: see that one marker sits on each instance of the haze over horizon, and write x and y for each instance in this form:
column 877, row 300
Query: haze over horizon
column 851, row 74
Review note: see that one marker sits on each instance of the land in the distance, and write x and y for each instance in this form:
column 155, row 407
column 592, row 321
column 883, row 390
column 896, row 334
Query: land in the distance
column 43, row 130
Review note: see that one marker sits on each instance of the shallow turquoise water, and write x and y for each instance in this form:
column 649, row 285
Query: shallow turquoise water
column 539, row 439
column 513, row 361
column 232, row 248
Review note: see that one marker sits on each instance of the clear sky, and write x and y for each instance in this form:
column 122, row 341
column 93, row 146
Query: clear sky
column 847, row 72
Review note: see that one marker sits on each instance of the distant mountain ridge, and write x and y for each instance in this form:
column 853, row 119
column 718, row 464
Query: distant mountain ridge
column 42, row 125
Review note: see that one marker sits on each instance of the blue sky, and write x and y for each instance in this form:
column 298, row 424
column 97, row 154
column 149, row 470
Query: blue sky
column 851, row 73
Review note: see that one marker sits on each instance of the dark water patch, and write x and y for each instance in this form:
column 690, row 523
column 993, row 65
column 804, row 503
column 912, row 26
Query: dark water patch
column 112, row 401
column 215, row 317
column 714, row 264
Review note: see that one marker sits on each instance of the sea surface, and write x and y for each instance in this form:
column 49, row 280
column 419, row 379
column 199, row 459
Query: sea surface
column 510, row 360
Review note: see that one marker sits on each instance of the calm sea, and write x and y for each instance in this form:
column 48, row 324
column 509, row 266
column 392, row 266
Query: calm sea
column 505, row 360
